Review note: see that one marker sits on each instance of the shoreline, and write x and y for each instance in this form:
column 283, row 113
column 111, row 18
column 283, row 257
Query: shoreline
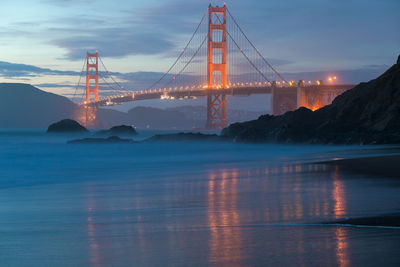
column 385, row 220
column 387, row 166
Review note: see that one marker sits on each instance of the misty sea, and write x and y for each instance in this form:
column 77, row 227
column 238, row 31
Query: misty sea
column 188, row 204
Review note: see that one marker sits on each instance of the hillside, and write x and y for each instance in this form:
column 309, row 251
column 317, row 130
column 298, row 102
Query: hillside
column 198, row 113
column 154, row 118
column 25, row 106
column 368, row 113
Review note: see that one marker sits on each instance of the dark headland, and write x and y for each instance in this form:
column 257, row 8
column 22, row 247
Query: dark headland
column 367, row 114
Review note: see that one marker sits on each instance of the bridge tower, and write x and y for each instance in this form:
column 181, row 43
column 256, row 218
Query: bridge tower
column 92, row 87
column 216, row 102
column 92, row 74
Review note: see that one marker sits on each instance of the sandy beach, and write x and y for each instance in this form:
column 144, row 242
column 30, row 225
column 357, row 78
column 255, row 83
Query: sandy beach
column 388, row 166
column 383, row 166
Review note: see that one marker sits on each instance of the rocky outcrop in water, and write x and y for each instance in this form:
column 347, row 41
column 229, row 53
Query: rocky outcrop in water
column 109, row 140
column 367, row 114
column 122, row 130
column 66, row 126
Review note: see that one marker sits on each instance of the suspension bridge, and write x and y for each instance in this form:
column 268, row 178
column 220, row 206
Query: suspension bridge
column 218, row 60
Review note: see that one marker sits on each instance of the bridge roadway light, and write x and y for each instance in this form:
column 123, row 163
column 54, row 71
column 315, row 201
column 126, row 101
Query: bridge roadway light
column 332, row 78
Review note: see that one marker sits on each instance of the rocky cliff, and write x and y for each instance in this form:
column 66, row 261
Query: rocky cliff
column 368, row 113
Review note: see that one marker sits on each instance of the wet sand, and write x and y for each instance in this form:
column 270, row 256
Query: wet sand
column 388, row 166
column 383, row 220
column 202, row 204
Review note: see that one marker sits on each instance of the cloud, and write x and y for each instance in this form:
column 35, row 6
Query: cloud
column 114, row 42
column 54, row 85
column 64, row 3
column 146, row 30
column 298, row 30
column 14, row 70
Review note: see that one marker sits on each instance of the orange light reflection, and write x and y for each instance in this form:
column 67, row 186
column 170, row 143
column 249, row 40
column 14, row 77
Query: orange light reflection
column 225, row 241
column 339, row 198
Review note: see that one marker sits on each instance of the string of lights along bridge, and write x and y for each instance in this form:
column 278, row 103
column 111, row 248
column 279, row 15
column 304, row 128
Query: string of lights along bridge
column 218, row 60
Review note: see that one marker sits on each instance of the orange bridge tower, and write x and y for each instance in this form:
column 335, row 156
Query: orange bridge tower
column 216, row 63
column 92, row 76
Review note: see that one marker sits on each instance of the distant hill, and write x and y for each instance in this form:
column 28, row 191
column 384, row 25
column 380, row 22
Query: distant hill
column 198, row 113
column 368, row 113
column 154, row 118
column 25, row 106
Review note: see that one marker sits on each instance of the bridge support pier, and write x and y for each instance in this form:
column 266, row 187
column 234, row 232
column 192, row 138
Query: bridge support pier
column 315, row 97
column 91, row 117
column 286, row 99
column 87, row 115
column 216, row 111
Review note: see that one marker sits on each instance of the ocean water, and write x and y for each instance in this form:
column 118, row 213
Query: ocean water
column 188, row 204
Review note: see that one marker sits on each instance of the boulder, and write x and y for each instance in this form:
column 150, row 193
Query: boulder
column 122, row 130
column 66, row 126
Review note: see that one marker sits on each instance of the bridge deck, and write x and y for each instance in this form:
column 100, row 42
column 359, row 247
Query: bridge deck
column 183, row 93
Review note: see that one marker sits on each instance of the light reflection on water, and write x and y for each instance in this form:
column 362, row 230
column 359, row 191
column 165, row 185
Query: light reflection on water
column 339, row 197
column 223, row 217
column 178, row 212
column 91, row 228
column 278, row 204
column 252, row 217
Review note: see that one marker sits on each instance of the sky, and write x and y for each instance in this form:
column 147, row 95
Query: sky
column 44, row 42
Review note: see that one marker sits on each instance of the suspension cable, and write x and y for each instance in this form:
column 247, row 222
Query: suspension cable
column 190, row 61
column 80, row 77
column 112, row 78
column 181, row 54
column 109, row 85
column 258, row 52
column 244, row 54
